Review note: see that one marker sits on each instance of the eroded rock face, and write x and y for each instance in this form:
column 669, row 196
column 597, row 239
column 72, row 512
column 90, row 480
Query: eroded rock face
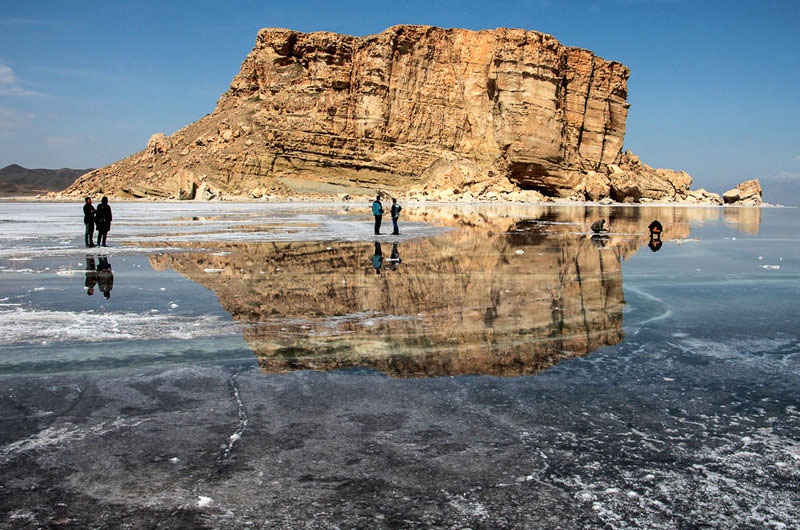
column 747, row 193
column 349, row 114
column 415, row 111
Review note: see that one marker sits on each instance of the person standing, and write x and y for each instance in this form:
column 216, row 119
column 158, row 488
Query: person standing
column 377, row 211
column 102, row 220
column 395, row 211
column 88, row 221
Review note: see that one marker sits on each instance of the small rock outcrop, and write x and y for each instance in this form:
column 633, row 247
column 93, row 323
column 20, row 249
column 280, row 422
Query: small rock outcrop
column 158, row 144
column 747, row 193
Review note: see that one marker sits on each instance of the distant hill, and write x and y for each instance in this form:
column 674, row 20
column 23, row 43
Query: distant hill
column 16, row 180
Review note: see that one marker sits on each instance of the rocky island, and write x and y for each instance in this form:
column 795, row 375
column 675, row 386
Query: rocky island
column 417, row 112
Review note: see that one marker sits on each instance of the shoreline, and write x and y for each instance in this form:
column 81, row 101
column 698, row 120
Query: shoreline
column 367, row 200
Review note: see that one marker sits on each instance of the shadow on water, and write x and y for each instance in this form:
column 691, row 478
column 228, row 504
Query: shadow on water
column 501, row 294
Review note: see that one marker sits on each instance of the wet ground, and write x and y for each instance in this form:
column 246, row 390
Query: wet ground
column 165, row 406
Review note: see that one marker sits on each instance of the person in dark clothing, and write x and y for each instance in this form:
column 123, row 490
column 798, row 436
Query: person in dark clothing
column 599, row 226
column 395, row 211
column 654, row 244
column 88, row 221
column 377, row 258
column 102, row 220
column 91, row 275
column 105, row 276
column 655, row 230
column 377, row 211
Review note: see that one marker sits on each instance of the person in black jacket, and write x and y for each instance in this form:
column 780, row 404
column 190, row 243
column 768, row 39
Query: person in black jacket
column 102, row 219
column 88, row 221
column 395, row 211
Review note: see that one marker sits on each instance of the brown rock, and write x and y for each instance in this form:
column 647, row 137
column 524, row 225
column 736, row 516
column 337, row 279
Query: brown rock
column 596, row 186
column 353, row 114
column 431, row 113
column 748, row 192
column 158, row 144
column 633, row 181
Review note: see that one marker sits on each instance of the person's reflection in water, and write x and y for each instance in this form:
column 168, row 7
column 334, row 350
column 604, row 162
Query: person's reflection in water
column 91, row 275
column 394, row 257
column 105, row 276
column 654, row 244
column 600, row 240
column 655, row 235
column 377, row 258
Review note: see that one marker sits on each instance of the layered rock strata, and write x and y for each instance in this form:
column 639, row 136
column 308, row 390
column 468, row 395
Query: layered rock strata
column 415, row 111
column 746, row 193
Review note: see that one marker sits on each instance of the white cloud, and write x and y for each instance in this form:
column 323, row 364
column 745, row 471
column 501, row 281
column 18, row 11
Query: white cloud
column 9, row 84
column 783, row 176
column 63, row 140
column 81, row 73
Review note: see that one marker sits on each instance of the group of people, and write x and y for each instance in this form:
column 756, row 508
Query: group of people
column 377, row 212
column 96, row 218
column 655, row 228
column 99, row 274
column 377, row 258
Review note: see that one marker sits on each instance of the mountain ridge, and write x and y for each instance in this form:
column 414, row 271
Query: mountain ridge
column 21, row 181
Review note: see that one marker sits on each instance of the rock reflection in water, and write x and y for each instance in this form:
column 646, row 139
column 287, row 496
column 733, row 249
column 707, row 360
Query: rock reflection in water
column 497, row 295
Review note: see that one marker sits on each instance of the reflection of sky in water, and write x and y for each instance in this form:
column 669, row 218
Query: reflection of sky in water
column 692, row 420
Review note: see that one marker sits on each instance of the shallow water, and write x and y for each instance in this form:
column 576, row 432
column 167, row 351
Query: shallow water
column 491, row 367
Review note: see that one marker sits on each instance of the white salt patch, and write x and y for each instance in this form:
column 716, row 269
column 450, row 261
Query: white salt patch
column 520, row 252
column 213, row 270
column 173, row 306
column 163, row 289
column 771, row 267
column 202, row 501
column 24, row 326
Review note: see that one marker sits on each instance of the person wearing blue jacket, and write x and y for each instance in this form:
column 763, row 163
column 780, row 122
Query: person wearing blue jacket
column 377, row 211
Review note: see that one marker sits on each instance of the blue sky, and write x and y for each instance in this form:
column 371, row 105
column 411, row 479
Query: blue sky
column 714, row 87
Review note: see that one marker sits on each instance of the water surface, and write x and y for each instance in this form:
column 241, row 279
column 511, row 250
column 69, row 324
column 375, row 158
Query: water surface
column 276, row 366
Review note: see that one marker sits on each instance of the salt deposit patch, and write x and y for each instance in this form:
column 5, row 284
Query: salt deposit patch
column 26, row 326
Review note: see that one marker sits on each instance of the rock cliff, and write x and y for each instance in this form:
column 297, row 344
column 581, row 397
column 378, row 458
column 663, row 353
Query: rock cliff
column 416, row 111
